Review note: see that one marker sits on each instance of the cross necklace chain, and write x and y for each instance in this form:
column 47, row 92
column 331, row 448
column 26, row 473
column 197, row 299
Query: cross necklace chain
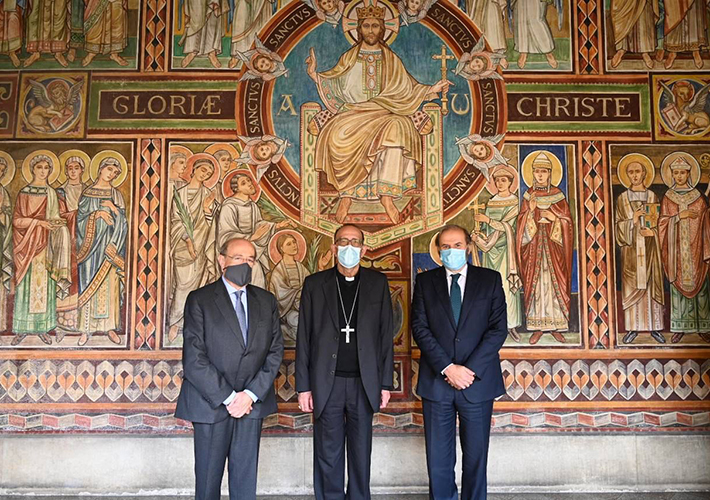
column 347, row 330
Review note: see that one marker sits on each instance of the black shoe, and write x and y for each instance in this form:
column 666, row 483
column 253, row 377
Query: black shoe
column 629, row 337
column 658, row 337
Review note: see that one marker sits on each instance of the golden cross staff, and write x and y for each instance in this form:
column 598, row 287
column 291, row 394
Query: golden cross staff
column 476, row 207
column 444, row 57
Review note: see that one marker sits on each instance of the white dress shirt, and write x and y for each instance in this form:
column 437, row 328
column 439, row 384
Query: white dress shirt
column 462, row 284
column 233, row 298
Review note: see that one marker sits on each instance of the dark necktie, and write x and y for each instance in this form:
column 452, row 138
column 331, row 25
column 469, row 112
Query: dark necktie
column 455, row 297
column 241, row 315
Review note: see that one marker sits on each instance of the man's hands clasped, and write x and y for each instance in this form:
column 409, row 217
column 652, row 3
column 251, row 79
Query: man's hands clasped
column 240, row 405
column 459, row 377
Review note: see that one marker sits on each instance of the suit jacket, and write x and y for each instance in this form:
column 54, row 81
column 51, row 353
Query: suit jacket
column 215, row 360
column 319, row 333
column 474, row 342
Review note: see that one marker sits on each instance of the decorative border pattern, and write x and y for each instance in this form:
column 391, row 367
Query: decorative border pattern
column 148, row 245
column 595, row 245
column 588, row 36
column 155, row 35
column 146, row 423
column 108, row 382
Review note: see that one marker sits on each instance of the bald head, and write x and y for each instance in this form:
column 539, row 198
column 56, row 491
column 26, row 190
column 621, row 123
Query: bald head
column 236, row 251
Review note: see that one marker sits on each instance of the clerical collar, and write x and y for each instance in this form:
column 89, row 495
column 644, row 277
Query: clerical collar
column 347, row 279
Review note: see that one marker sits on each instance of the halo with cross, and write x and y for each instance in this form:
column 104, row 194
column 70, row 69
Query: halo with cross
column 350, row 19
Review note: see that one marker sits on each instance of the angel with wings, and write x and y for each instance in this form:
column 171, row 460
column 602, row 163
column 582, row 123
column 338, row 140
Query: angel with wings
column 53, row 105
column 480, row 64
column 686, row 109
column 481, row 152
column 329, row 11
column 261, row 63
column 260, row 152
column 413, row 11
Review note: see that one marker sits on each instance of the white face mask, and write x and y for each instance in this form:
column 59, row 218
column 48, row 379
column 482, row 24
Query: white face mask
column 348, row 256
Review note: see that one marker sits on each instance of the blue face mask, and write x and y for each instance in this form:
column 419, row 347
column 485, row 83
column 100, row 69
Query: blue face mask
column 453, row 258
column 348, row 256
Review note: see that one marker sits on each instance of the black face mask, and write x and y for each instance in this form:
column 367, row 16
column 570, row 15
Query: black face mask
column 239, row 274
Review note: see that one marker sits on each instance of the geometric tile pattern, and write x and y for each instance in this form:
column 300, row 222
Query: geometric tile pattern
column 383, row 422
column 148, row 246
column 588, row 36
column 155, row 33
column 143, row 381
column 595, row 246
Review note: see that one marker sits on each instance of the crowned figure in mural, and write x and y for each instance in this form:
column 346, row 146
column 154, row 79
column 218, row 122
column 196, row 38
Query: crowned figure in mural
column 497, row 240
column 684, row 231
column 102, row 231
column 41, row 249
column 544, row 244
column 636, row 216
column 370, row 149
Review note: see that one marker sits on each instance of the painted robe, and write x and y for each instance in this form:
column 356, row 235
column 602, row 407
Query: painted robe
column 685, row 248
column 641, row 269
column 42, row 259
column 101, row 257
column 545, row 251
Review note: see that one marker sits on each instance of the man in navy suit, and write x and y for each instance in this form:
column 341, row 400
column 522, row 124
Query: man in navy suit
column 459, row 323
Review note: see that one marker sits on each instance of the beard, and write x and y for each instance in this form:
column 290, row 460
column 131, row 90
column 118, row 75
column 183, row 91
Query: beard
column 371, row 38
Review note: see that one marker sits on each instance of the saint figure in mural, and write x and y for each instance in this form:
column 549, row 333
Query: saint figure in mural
column 41, row 248
column 489, row 16
column 684, row 231
column 240, row 217
column 105, row 30
column 204, row 28
column 287, row 280
column 371, row 148
column 544, row 246
column 498, row 240
column 102, row 230
column 634, row 28
column 685, row 29
column 247, row 18
column 47, row 30
column 192, row 239
column 11, row 13
column 531, row 32
column 5, row 242
column 637, row 236
column 77, row 37
column 76, row 164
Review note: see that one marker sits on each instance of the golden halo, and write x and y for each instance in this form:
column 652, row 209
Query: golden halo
column 621, row 169
column 666, row 168
column 274, row 254
column 350, row 23
column 491, row 184
column 433, row 250
column 10, row 170
column 27, row 173
column 227, row 189
column 85, row 176
column 216, row 172
column 96, row 161
column 556, row 174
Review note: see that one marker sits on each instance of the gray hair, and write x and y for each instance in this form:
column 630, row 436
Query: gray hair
column 225, row 246
column 222, row 152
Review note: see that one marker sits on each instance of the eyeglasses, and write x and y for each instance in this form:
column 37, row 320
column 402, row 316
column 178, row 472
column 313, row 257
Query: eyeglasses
column 343, row 242
column 240, row 259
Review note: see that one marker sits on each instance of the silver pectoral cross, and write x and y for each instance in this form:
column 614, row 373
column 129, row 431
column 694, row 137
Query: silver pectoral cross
column 347, row 331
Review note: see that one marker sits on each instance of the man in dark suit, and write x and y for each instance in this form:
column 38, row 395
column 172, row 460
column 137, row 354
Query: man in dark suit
column 459, row 324
column 344, row 365
column 232, row 350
